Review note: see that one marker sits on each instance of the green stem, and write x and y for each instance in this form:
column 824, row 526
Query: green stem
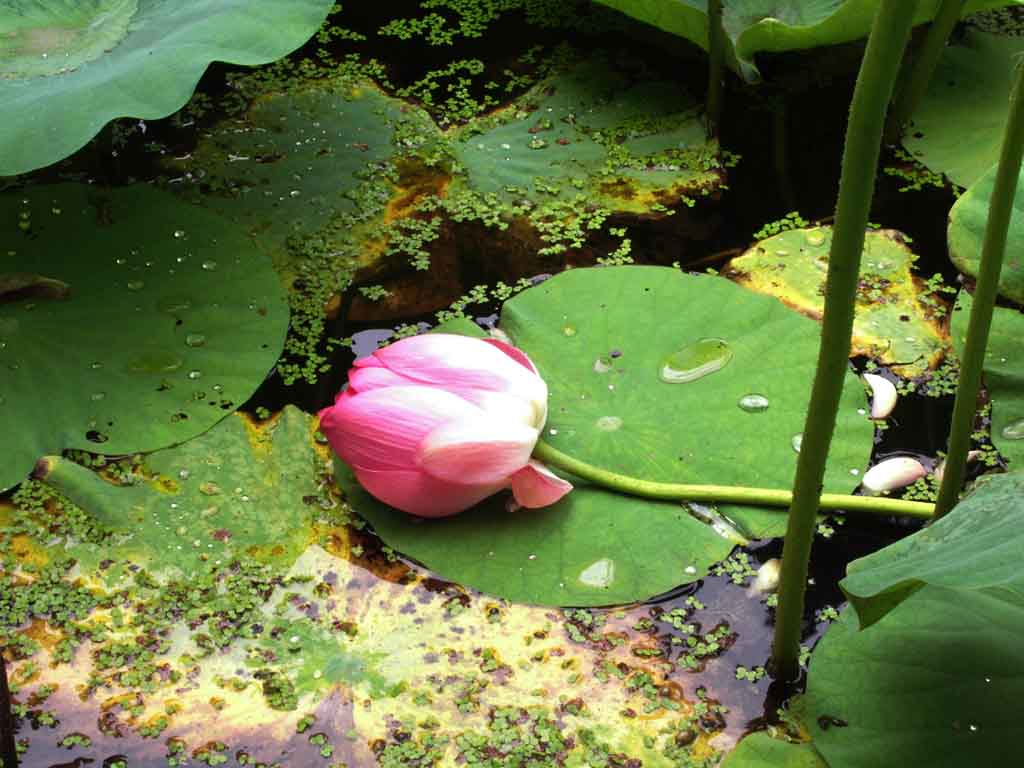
column 923, row 67
column 716, row 66
column 1000, row 208
column 729, row 494
column 856, row 188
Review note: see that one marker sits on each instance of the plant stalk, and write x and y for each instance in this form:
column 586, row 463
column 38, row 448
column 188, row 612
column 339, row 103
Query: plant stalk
column 993, row 248
column 716, row 66
column 878, row 71
column 922, row 68
column 729, row 494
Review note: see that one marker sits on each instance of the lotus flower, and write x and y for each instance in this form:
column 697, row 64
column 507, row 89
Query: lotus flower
column 433, row 424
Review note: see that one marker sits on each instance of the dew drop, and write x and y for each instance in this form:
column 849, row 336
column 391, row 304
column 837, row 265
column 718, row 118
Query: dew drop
column 172, row 304
column 531, row 557
column 695, row 361
column 814, row 237
column 195, row 374
column 797, row 441
column 209, row 265
column 195, row 340
column 135, row 285
column 120, row 261
column 155, row 362
column 600, row 573
column 569, row 330
column 609, row 423
column 602, row 365
column 96, row 365
column 97, row 396
column 1014, row 430
column 753, row 403
column 179, row 233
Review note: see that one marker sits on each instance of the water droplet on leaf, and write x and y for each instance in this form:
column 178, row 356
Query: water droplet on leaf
column 695, row 361
column 1014, row 430
column 599, row 574
column 753, row 403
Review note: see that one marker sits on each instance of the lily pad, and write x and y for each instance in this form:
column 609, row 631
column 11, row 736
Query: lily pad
column 753, row 26
column 588, row 133
column 592, row 548
column 908, row 682
column 759, row 750
column 966, row 233
column 976, row 546
column 933, row 683
column 69, row 67
column 170, row 323
column 601, row 339
column 958, row 126
column 201, row 502
column 1004, row 374
column 892, row 324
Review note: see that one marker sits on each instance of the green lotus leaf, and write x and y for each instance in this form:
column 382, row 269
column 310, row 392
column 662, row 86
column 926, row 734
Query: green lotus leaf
column 976, row 546
column 1004, row 374
column 966, row 234
column 759, row 750
column 70, row 66
column 958, row 126
column 203, row 501
column 170, row 322
column 892, row 323
column 588, row 133
column 933, row 683
column 602, row 339
column 755, row 26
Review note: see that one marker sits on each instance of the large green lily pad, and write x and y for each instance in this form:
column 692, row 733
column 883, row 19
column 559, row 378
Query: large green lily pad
column 600, row 337
column 170, row 322
column 1004, row 374
column 892, row 324
column 933, row 678
column 753, row 26
column 70, row 67
column 759, row 750
column 589, row 133
column 958, row 126
column 966, row 233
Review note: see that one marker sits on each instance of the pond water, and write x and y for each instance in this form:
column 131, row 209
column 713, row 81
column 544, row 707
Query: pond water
column 290, row 634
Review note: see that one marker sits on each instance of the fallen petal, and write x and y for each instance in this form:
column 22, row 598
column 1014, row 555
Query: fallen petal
column 940, row 469
column 883, row 395
column 893, row 473
column 767, row 579
column 537, row 486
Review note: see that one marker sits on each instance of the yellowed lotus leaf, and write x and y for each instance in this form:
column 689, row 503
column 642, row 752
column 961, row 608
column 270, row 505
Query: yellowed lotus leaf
column 332, row 652
column 898, row 322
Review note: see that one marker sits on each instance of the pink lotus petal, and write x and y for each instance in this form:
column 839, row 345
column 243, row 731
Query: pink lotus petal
column 365, row 379
column 516, row 354
column 477, row 450
column 369, row 361
column 453, row 362
column 893, row 473
column 383, row 428
column 537, row 486
column 421, row 494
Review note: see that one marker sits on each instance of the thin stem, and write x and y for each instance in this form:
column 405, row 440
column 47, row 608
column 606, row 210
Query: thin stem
column 856, row 188
column 923, row 67
column 729, row 494
column 716, row 66
column 993, row 248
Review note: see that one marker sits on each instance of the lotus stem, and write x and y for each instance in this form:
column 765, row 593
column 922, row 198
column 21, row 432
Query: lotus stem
column 716, row 66
column 922, row 68
column 727, row 494
column 871, row 95
column 993, row 248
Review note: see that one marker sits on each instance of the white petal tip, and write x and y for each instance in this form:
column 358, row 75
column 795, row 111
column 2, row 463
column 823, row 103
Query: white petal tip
column 883, row 395
column 890, row 474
